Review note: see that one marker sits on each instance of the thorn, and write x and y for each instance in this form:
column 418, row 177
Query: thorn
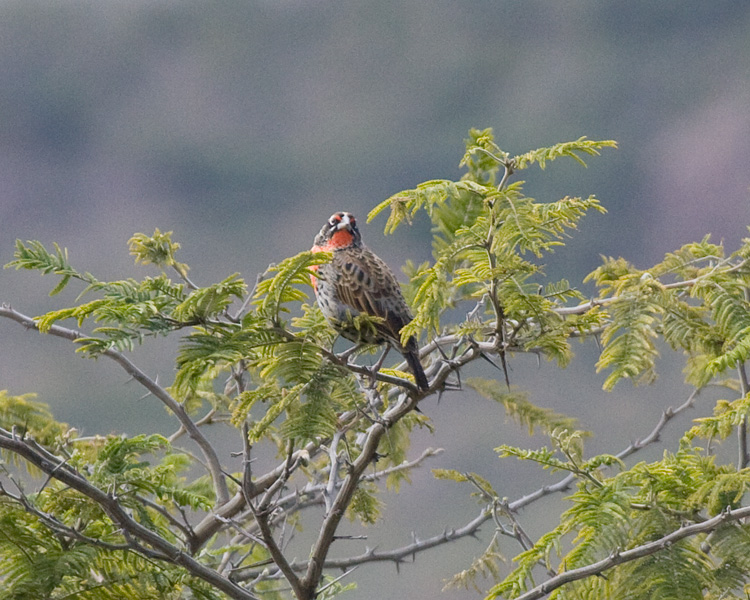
column 598, row 341
column 504, row 363
column 489, row 360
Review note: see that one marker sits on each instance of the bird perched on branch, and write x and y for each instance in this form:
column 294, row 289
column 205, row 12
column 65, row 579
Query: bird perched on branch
column 357, row 282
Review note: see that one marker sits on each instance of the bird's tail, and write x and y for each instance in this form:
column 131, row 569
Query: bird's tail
column 411, row 354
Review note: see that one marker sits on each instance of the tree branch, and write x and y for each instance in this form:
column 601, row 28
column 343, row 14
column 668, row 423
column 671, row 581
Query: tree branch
column 742, row 426
column 335, row 514
column 212, row 460
column 262, row 515
column 618, row 558
column 349, row 485
column 57, row 526
column 397, row 555
column 211, row 524
column 164, row 550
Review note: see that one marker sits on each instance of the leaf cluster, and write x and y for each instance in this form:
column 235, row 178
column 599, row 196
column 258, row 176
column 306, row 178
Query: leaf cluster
column 695, row 299
column 263, row 363
column 634, row 507
column 488, row 238
column 69, row 546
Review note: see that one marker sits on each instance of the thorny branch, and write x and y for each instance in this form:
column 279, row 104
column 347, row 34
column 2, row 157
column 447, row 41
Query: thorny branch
column 337, row 493
column 209, row 453
column 61, row 529
column 471, row 528
column 742, row 426
column 310, row 495
column 140, row 538
column 618, row 558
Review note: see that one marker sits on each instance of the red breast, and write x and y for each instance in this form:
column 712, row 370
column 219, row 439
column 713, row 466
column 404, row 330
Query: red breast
column 340, row 239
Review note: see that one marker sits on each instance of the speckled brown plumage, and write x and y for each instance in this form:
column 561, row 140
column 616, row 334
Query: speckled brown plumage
column 357, row 281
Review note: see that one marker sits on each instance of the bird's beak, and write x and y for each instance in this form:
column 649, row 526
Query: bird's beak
column 344, row 223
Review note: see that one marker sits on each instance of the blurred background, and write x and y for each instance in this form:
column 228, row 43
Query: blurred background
column 241, row 125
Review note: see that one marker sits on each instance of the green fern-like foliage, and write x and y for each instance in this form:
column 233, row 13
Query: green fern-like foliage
column 36, row 564
column 39, row 562
column 486, row 565
column 634, row 507
column 34, row 256
column 488, row 237
column 32, row 418
column 365, row 506
column 267, row 363
column 695, row 298
column 157, row 249
column 518, row 407
column 285, row 286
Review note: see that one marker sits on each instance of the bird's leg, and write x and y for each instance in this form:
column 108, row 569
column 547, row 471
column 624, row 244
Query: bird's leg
column 376, row 367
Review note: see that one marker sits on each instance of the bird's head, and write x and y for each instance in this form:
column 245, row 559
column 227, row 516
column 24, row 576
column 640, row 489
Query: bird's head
column 340, row 231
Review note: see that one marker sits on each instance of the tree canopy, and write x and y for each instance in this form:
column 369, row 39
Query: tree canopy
column 138, row 516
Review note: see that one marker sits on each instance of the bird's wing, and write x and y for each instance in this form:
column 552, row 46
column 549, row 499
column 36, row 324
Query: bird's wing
column 367, row 285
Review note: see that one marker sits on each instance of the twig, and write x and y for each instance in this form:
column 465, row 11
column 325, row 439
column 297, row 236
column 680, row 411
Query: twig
column 333, row 472
column 618, row 558
column 250, row 295
column 262, row 513
column 132, row 530
column 209, row 417
column 586, row 306
column 181, row 270
column 167, row 515
column 212, row 460
column 339, row 578
column 742, row 427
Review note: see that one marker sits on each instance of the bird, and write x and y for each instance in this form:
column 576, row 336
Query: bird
column 358, row 282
